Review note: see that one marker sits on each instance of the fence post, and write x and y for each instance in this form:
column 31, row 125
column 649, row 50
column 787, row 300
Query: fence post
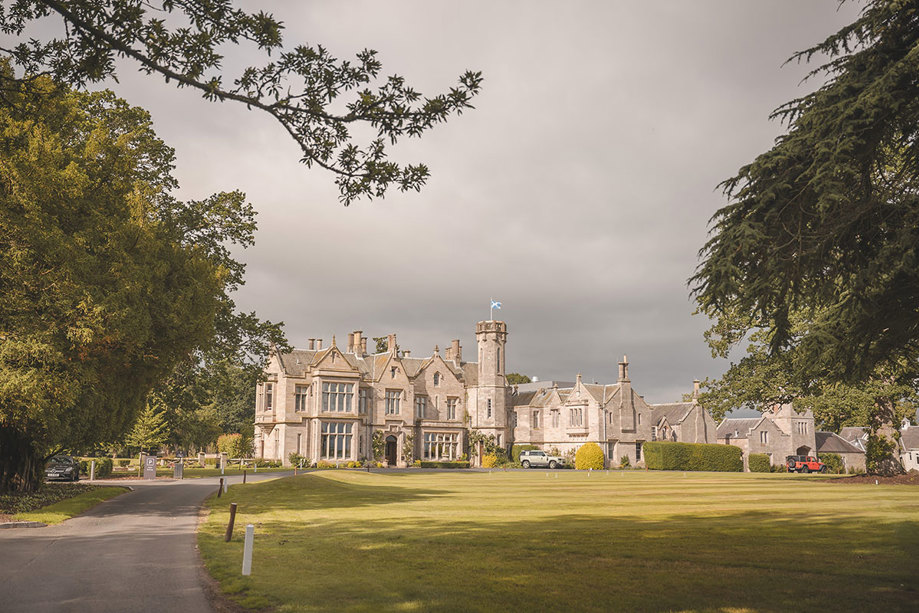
column 247, row 550
column 92, row 470
column 229, row 535
column 244, row 475
column 220, row 489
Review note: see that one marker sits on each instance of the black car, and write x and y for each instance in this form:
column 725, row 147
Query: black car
column 63, row 467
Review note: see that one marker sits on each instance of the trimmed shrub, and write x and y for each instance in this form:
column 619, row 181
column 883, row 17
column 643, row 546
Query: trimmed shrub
column 589, row 455
column 516, row 449
column 759, row 463
column 432, row 464
column 834, row 463
column 624, row 462
column 103, row 467
column 489, row 460
column 298, row 460
column 693, row 456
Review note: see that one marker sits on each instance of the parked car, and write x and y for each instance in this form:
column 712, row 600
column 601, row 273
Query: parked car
column 804, row 464
column 539, row 458
column 63, row 467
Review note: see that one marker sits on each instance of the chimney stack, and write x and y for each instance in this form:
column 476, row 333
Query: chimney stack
column 454, row 352
column 624, row 369
column 312, row 344
column 391, row 345
column 695, row 389
column 363, row 346
column 407, row 353
column 318, row 344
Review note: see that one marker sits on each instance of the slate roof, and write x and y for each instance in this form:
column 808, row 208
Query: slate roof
column 830, row 442
column 675, row 412
column 523, row 399
column 909, row 437
column 296, row 362
column 471, row 373
column 741, row 425
column 852, row 433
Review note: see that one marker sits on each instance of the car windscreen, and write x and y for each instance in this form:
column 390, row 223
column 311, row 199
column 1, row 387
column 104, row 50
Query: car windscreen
column 60, row 461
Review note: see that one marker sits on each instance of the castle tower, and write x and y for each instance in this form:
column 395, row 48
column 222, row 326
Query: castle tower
column 490, row 413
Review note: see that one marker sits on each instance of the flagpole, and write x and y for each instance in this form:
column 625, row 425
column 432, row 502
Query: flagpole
column 491, row 309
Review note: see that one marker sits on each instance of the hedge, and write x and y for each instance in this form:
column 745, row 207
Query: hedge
column 760, row 463
column 103, row 467
column 834, row 463
column 693, row 456
column 433, row 464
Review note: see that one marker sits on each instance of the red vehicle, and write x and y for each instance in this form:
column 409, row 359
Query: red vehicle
column 804, row 464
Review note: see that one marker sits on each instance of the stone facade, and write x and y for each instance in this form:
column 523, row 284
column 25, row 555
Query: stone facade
column 778, row 433
column 614, row 416
column 327, row 404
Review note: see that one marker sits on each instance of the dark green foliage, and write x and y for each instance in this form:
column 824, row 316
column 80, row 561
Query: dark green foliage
column 514, row 378
column 103, row 467
column 825, row 224
column 516, row 449
column 834, row 463
column 316, row 97
column 47, row 493
column 693, row 456
column 759, row 463
column 455, row 464
column 107, row 283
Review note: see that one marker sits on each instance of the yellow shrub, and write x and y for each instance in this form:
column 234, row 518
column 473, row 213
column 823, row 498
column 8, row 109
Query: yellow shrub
column 589, row 455
column 490, row 460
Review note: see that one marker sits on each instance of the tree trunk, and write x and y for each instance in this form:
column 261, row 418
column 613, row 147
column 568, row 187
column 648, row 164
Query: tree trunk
column 22, row 468
column 881, row 455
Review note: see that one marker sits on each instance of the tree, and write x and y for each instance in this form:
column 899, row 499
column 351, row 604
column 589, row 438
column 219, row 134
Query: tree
column 107, row 283
column 825, row 224
column 762, row 379
column 514, row 378
column 150, row 429
column 303, row 88
column 816, row 248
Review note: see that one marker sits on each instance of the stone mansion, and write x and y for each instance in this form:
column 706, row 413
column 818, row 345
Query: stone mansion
column 328, row 404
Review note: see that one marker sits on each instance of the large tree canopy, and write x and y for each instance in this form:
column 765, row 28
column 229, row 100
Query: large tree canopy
column 107, row 283
column 317, row 98
column 824, row 227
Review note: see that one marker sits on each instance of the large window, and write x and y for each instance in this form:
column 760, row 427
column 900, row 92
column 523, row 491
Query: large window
column 451, row 408
column 535, row 420
column 269, row 396
column 336, row 440
column 393, row 398
column 440, row 446
column 364, row 400
column 555, row 418
column 576, row 416
column 301, row 393
column 336, row 397
column 421, row 406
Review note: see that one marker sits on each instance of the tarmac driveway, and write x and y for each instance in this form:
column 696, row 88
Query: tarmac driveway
column 135, row 552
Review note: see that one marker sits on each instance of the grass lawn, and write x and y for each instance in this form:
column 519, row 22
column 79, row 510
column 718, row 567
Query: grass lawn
column 566, row 541
column 70, row 507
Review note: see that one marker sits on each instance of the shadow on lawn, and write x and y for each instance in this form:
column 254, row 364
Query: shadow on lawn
column 756, row 561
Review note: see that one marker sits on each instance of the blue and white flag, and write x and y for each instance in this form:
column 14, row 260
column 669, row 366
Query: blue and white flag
column 495, row 304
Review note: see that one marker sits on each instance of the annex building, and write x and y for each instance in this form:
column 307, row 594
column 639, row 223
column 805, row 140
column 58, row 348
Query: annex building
column 328, row 404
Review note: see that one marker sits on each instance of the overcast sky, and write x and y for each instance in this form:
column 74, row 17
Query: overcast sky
column 577, row 193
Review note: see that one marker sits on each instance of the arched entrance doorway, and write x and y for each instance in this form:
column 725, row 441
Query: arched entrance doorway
column 391, row 456
column 803, row 450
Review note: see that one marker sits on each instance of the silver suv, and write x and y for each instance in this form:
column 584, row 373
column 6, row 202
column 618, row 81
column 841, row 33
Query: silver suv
column 538, row 457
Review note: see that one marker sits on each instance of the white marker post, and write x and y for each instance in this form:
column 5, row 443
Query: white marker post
column 92, row 470
column 247, row 550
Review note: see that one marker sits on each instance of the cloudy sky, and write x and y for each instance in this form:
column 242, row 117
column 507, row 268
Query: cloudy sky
column 578, row 192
